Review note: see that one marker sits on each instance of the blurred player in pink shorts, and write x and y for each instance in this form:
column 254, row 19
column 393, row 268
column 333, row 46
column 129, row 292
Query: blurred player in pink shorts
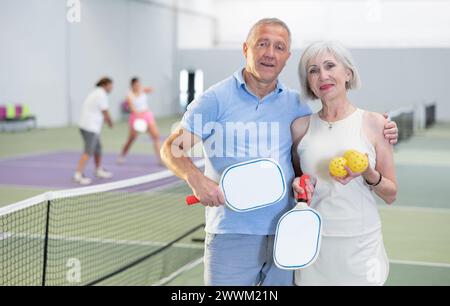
column 146, row 116
column 137, row 102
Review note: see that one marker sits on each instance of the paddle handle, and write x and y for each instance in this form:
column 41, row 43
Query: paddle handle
column 192, row 199
column 302, row 198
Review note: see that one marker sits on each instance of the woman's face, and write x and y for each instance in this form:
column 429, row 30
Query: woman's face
column 327, row 77
column 109, row 87
column 136, row 86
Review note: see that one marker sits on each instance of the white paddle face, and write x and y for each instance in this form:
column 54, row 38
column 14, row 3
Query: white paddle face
column 297, row 240
column 252, row 185
column 140, row 125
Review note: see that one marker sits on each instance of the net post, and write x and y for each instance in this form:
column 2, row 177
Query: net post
column 47, row 224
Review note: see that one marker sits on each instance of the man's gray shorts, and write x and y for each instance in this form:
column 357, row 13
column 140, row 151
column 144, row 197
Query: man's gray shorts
column 92, row 144
column 242, row 260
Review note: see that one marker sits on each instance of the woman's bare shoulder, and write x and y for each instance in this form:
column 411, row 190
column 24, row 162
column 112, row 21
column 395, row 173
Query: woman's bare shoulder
column 374, row 120
column 300, row 121
column 299, row 127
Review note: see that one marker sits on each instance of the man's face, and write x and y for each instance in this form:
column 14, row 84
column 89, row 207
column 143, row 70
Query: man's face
column 266, row 52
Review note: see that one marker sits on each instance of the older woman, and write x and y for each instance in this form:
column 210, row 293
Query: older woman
column 352, row 251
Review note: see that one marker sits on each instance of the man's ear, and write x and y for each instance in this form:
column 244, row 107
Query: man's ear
column 245, row 49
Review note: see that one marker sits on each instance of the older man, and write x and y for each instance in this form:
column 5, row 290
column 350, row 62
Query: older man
column 253, row 103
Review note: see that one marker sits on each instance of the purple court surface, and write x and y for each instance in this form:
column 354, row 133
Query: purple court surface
column 55, row 170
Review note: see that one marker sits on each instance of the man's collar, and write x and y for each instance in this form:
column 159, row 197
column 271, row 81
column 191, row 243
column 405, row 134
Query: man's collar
column 239, row 76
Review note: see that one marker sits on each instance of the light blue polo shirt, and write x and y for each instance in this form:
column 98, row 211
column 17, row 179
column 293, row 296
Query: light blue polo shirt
column 236, row 126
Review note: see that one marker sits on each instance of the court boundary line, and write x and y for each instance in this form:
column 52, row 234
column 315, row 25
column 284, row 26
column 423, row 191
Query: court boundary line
column 65, row 166
column 119, row 242
column 418, row 209
column 8, row 235
column 424, row 164
column 160, row 245
column 39, row 153
column 42, row 188
column 180, row 271
column 144, row 258
column 197, row 262
column 82, row 191
column 420, row 263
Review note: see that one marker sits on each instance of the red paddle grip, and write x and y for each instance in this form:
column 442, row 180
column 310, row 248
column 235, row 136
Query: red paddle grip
column 303, row 197
column 191, row 200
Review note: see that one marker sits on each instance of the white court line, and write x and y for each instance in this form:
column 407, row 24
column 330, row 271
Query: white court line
column 68, row 166
column 415, row 209
column 82, row 191
column 9, row 235
column 199, row 261
column 420, row 263
column 428, row 163
column 95, row 183
column 180, row 271
column 37, row 164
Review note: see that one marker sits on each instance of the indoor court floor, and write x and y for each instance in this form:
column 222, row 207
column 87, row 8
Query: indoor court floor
column 416, row 227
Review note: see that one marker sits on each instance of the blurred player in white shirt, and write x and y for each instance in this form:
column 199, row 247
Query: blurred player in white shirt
column 94, row 113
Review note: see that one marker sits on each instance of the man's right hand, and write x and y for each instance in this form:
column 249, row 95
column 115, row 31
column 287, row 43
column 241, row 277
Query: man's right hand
column 174, row 155
column 207, row 191
column 107, row 118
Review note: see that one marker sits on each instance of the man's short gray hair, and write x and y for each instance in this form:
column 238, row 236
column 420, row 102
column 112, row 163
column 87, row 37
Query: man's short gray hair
column 269, row 21
column 341, row 54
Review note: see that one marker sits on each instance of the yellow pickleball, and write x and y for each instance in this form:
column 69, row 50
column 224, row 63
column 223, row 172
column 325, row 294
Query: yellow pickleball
column 356, row 161
column 336, row 167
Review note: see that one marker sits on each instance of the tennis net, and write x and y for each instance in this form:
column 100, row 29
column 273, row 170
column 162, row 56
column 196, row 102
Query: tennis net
column 131, row 232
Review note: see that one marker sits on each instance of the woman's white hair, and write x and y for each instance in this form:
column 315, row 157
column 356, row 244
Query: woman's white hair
column 341, row 54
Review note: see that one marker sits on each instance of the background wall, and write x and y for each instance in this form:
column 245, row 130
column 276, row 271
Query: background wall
column 124, row 39
column 392, row 78
column 356, row 23
column 52, row 64
column 98, row 46
column 402, row 48
column 33, row 57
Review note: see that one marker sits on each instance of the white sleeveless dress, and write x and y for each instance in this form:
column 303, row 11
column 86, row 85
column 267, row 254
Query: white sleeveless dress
column 352, row 250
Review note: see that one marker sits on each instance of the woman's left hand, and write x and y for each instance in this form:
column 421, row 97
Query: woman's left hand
column 350, row 176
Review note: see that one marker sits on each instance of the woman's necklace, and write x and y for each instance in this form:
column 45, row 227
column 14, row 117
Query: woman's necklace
column 330, row 123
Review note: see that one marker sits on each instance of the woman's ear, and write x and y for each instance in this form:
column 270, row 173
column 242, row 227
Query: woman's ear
column 348, row 77
column 349, row 74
